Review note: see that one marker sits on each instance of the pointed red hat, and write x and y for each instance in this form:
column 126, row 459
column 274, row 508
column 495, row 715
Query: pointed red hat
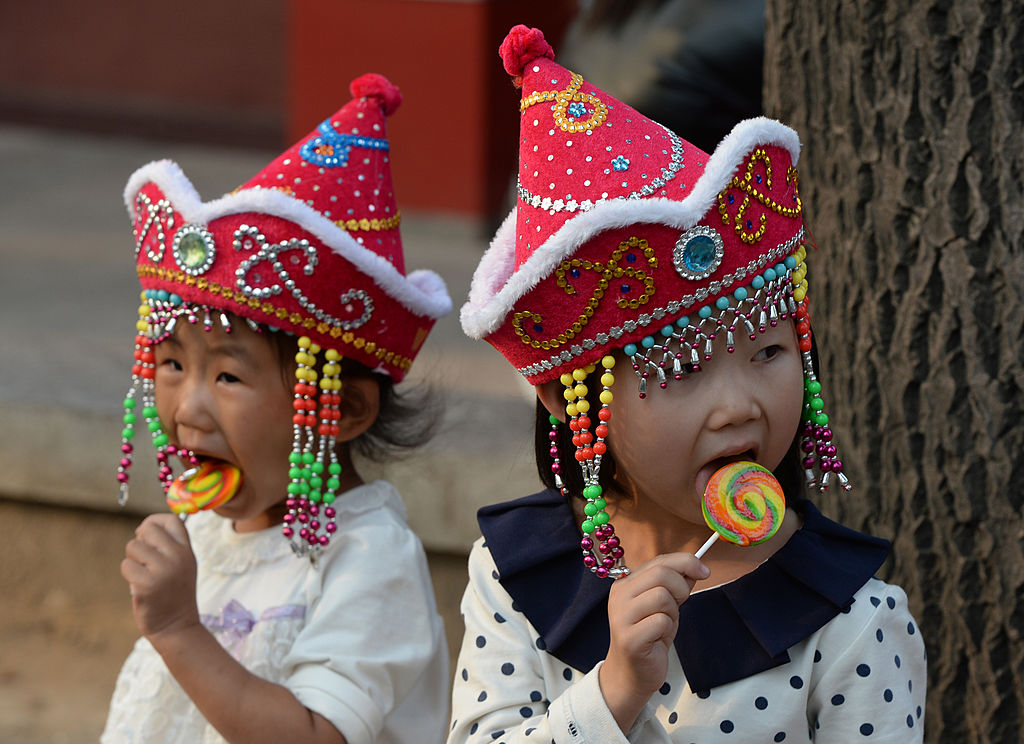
column 622, row 228
column 310, row 244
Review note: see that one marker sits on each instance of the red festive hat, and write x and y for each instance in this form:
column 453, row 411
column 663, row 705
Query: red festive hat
column 622, row 228
column 309, row 245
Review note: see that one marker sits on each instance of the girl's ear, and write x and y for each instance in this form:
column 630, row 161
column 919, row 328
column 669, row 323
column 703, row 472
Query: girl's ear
column 360, row 405
column 551, row 397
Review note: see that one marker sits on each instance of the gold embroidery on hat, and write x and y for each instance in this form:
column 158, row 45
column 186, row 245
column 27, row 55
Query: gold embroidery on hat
column 746, row 183
column 364, row 224
column 563, row 99
column 608, row 272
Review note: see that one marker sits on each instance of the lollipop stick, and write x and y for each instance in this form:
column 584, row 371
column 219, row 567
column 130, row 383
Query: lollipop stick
column 707, row 545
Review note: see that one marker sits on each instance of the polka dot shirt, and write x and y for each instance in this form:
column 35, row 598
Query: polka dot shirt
column 859, row 678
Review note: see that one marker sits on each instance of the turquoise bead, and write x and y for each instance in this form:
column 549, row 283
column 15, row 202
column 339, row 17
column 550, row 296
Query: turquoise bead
column 647, row 342
column 740, row 294
column 683, row 322
column 629, row 349
column 790, row 263
column 667, row 330
column 705, row 312
column 722, row 303
column 757, row 282
column 770, row 275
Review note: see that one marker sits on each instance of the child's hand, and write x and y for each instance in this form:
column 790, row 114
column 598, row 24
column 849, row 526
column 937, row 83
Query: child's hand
column 160, row 569
column 643, row 615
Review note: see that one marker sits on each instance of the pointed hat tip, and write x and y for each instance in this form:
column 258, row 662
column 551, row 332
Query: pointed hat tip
column 372, row 85
column 522, row 46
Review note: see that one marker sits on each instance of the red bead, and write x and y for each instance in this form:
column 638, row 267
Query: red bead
column 324, row 429
column 805, row 344
column 298, row 419
column 600, row 448
column 601, row 431
column 136, row 369
column 335, row 431
column 803, row 327
column 299, row 404
column 588, row 453
column 310, row 420
column 604, row 414
column 147, row 372
column 586, row 437
column 576, row 440
column 584, row 423
column 574, row 424
column 579, row 456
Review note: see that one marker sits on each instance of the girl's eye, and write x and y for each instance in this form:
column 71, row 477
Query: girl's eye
column 769, row 352
column 227, row 377
column 172, row 364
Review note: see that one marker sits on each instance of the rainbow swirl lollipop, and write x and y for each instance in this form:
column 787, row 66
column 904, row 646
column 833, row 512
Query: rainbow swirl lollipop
column 743, row 503
column 207, row 486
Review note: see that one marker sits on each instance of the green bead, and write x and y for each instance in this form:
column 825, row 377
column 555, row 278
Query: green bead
column 334, row 468
column 590, row 509
column 160, row 440
column 333, row 483
column 600, row 504
column 128, row 433
column 587, row 527
column 318, row 467
column 316, row 482
column 315, row 497
column 821, row 419
column 149, row 412
column 129, row 404
column 601, row 518
column 293, row 488
column 813, row 387
column 154, row 426
column 294, row 473
column 553, row 420
column 817, row 404
column 308, row 458
column 129, row 418
column 592, row 492
column 295, row 458
column 328, row 498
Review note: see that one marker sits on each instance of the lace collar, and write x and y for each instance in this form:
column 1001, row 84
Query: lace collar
column 725, row 634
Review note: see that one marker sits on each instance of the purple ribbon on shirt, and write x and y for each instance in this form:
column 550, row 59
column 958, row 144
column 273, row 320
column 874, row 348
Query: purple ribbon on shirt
column 235, row 622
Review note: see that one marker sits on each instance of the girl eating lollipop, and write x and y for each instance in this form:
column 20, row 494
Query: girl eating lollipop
column 657, row 299
column 293, row 602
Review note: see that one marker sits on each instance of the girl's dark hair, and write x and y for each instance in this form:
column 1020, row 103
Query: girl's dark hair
column 789, row 473
column 406, row 420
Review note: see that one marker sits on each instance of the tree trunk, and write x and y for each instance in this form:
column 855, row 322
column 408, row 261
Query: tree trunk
column 911, row 117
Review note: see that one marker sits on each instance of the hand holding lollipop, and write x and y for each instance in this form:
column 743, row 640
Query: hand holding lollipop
column 207, row 486
column 743, row 503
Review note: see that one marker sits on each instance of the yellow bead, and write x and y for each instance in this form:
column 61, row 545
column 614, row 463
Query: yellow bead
column 580, row 391
column 331, row 369
column 302, row 358
column 799, row 293
column 142, row 326
column 142, row 296
column 608, row 361
column 325, row 384
column 566, row 378
column 314, row 348
column 571, row 410
column 606, row 396
column 304, row 342
column 589, row 368
column 607, row 379
column 582, row 406
column 144, row 310
column 579, row 374
column 336, row 384
column 332, row 355
column 568, row 393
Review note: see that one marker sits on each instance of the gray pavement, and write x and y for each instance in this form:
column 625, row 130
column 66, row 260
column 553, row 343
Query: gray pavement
column 68, row 295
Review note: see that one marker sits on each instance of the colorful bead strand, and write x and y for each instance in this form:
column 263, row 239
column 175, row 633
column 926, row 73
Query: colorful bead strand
column 602, row 552
column 301, row 459
column 330, row 414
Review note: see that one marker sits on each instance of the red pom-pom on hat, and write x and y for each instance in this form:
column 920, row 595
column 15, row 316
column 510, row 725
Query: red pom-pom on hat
column 372, row 85
column 521, row 47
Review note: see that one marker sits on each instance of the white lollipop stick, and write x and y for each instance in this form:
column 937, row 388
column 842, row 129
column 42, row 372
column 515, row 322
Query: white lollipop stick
column 707, row 545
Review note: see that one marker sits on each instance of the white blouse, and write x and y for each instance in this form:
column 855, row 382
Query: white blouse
column 861, row 677
column 356, row 638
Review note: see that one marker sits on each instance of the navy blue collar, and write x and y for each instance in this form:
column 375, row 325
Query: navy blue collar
column 727, row 633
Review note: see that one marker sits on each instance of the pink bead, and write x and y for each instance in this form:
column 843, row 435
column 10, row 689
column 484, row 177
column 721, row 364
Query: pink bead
column 324, row 540
column 288, row 532
column 171, row 449
column 826, row 435
column 808, row 463
column 830, row 450
column 122, row 477
column 826, row 466
column 607, row 562
column 837, row 466
column 303, row 517
column 290, row 503
column 314, row 509
column 314, row 525
column 303, row 533
column 127, row 448
column 613, row 542
column 807, row 445
column 589, row 561
column 161, row 457
column 618, row 553
column 603, row 548
column 552, row 435
column 289, row 518
column 331, row 527
column 329, row 512
column 556, row 468
column 553, row 451
column 586, row 543
column 602, row 573
column 125, row 462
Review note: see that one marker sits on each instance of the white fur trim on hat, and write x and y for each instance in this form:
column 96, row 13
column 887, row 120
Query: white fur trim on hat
column 497, row 286
column 423, row 292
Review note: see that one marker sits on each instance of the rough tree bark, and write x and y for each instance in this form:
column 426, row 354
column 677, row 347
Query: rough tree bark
column 911, row 115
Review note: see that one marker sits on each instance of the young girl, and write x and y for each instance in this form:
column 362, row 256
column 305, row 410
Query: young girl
column 296, row 604
column 655, row 296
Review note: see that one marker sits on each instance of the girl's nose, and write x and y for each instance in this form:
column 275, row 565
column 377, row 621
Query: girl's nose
column 733, row 403
column 192, row 415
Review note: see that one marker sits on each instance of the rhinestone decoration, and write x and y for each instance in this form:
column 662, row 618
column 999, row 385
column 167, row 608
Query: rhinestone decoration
column 698, row 252
column 330, row 149
column 152, row 216
column 193, row 249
